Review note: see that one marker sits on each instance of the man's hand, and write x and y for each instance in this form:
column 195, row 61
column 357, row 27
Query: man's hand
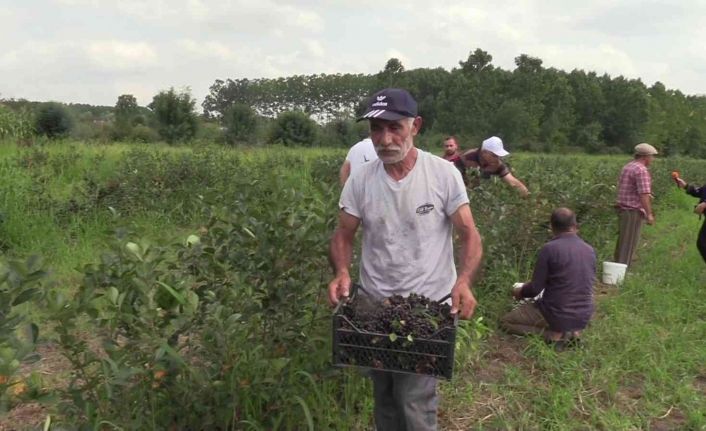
column 340, row 253
column 462, row 297
column 339, row 287
column 650, row 219
column 699, row 209
column 517, row 290
column 680, row 183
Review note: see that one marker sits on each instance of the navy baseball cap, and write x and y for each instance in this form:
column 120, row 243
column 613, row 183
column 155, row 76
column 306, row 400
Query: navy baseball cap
column 390, row 104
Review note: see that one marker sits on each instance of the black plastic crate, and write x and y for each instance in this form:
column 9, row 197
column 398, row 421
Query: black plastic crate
column 433, row 356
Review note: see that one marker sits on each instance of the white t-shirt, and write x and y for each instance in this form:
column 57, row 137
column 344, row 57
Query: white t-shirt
column 407, row 242
column 360, row 153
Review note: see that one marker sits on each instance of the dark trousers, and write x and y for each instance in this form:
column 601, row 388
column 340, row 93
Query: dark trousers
column 629, row 226
column 404, row 402
column 525, row 319
column 701, row 241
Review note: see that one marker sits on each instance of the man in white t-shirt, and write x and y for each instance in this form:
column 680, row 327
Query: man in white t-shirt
column 408, row 202
column 360, row 153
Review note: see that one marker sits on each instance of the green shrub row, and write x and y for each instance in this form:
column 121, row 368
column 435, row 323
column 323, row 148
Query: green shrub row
column 227, row 326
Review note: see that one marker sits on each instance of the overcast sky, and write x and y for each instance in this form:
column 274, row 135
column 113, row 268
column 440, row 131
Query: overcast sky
column 92, row 51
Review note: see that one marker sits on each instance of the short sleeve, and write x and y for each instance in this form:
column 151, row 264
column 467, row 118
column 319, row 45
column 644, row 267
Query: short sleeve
column 349, row 201
column 503, row 170
column 349, row 156
column 457, row 195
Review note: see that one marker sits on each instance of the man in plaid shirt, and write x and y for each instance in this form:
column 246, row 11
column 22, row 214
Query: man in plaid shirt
column 634, row 202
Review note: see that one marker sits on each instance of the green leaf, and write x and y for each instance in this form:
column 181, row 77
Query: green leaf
column 278, row 364
column 249, row 232
column 173, row 354
column 393, row 337
column 34, row 332
column 24, row 296
column 173, row 292
column 307, row 413
column 134, row 249
column 113, row 294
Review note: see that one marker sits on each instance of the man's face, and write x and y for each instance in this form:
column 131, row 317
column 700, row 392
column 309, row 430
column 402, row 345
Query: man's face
column 450, row 147
column 393, row 139
column 649, row 160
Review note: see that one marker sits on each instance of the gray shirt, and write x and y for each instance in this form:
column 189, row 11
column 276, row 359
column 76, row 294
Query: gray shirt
column 407, row 245
column 566, row 271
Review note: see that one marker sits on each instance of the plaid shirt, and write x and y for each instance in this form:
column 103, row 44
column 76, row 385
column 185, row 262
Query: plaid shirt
column 634, row 180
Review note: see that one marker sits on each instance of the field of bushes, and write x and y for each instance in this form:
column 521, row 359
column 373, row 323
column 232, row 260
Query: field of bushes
column 185, row 289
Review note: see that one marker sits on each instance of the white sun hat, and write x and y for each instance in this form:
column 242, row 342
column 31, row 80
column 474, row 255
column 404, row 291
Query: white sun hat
column 495, row 146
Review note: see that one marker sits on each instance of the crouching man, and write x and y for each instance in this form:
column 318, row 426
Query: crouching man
column 565, row 272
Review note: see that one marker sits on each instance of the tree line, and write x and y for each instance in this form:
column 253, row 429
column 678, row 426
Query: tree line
column 531, row 107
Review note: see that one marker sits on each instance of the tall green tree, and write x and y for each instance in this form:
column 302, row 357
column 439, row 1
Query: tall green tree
column 241, row 124
column 558, row 119
column 477, row 61
column 53, row 120
column 390, row 74
column 425, row 85
column 530, row 84
column 515, row 125
column 626, row 112
column 393, row 65
column 293, row 128
column 175, row 115
column 126, row 109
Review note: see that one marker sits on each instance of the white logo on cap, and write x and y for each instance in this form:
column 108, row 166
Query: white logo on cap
column 381, row 98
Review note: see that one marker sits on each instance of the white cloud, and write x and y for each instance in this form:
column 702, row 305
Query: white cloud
column 302, row 19
column 43, row 55
column 315, row 48
column 602, row 58
column 114, row 55
column 193, row 42
column 213, row 49
column 197, row 9
column 234, row 16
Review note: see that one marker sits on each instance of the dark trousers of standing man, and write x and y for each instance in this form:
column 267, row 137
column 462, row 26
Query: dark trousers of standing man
column 404, row 402
column 629, row 226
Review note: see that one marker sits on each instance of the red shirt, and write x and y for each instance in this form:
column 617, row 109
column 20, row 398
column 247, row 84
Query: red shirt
column 452, row 158
column 634, row 181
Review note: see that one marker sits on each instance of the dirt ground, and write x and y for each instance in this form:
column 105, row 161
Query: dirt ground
column 52, row 367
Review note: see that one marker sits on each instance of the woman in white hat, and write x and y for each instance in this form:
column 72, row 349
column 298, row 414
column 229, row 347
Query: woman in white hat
column 488, row 160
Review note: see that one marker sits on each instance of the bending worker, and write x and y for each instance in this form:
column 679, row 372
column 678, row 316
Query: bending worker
column 488, row 160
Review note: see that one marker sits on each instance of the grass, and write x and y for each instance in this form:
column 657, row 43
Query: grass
column 643, row 364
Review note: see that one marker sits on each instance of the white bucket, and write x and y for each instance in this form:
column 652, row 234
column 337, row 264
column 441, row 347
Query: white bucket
column 613, row 272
